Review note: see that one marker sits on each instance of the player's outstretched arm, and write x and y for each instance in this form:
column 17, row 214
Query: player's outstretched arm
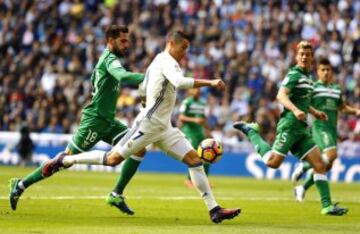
column 114, row 67
column 347, row 109
column 187, row 119
column 283, row 98
column 217, row 83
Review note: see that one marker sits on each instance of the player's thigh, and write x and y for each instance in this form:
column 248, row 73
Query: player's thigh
column 174, row 143
column 284, row 141
column 325, row 139
column 116, row 131
column 91, row 130
column 134, row 141
column 304, row 144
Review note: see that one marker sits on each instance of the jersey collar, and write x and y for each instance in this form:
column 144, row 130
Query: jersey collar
column 167, row 54
column 301, row 70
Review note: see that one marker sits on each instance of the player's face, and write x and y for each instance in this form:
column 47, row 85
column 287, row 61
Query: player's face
column 304, row 58
column 120, row 44
column 179, row 49
column 324, row 73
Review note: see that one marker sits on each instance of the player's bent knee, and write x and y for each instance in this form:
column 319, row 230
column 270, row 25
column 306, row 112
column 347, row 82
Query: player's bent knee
column 319, row 167
column 274, row 161
column 113, row 159
column 141, row 153
column 192, row 159
column 273, row 164
column 112, row 162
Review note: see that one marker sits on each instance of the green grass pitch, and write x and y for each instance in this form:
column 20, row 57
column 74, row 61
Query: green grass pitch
column 74, row 202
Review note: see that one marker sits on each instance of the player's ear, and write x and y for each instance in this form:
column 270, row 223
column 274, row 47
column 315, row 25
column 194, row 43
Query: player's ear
column 110, row 40
column 172, row 43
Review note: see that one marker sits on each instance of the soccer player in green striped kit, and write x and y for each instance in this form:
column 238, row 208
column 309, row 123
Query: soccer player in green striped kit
column 98, row 120
column 293, row 135
column 193, row 123
column 328, row 98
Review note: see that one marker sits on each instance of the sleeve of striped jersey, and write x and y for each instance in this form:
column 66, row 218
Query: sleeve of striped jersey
column 184, row 106
column 290, row 81
column 115, row 69
column 173, row 73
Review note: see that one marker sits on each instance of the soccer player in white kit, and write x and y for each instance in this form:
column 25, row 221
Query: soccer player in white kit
column 153, row 126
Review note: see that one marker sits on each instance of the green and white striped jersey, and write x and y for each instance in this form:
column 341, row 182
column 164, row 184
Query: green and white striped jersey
column 300, row 86
column 327, row 98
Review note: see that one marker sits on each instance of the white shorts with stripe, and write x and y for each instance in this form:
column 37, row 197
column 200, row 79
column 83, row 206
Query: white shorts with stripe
column 171, row 141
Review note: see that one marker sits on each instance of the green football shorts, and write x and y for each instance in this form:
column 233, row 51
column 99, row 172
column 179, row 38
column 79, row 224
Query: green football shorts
column 295, row 138
column 325, row 138
column 94, row 129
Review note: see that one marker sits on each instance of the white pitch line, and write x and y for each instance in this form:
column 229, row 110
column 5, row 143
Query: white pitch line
column 169, row 198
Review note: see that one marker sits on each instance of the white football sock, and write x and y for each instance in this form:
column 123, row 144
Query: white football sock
column 199, row 179
column 318, row 176
column 95, row 157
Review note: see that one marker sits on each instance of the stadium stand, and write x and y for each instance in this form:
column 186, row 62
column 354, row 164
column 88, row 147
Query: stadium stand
column 48, row 49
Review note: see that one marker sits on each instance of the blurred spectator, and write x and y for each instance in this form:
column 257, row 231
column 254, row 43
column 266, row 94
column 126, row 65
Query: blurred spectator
column 25, row 146
column 48, row 49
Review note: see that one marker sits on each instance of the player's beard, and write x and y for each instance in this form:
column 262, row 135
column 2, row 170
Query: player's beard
column 120, row 53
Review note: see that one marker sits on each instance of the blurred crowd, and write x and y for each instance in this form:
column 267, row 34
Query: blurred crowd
column 48, row 49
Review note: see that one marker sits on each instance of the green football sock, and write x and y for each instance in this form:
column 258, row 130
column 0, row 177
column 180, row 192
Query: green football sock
column 309, row 181
column 322, row 185
column 206, row 169
column 261, row 146
column 127, row 172
column 33, row 177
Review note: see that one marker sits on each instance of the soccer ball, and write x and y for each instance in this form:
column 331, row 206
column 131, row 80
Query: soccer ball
column 210, row 150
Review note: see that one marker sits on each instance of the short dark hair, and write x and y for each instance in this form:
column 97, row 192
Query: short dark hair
column 177, row 35
column 114, row 31
column 304, row 45
column 324, row 61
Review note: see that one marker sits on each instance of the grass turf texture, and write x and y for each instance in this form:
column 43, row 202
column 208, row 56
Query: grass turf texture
column 74, row 202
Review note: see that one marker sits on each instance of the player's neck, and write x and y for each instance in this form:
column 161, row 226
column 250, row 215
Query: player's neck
column 324, row 82
column 305, row 69
column 168, row 50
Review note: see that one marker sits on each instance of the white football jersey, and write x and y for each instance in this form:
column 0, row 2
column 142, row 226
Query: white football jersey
column 162, row 79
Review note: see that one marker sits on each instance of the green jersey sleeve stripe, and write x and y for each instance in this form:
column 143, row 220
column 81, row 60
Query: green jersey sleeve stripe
column 326, row 95
column 304, row 86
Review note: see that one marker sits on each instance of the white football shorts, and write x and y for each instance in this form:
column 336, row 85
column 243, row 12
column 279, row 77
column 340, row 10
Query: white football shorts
column 171, row 141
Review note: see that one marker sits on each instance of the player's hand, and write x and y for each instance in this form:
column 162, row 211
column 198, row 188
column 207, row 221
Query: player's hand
column 357, row 113
column 200, row 120
column 321, row 115
column 299, row 114
column 143, row 101
column 218, row 83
